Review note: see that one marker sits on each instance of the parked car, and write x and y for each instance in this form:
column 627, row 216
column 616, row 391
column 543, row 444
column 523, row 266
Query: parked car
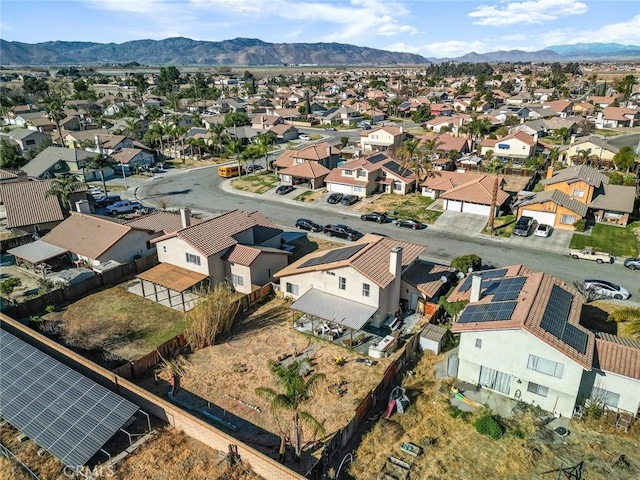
column 284, row 189
column 254, row 168
column 330, row 129
column 523, row 226
column 410, row 223
column 105, row 200
column 607, row 289
column 342, row 231
column 93, row 190
column 378, row 217
column 124, row 206
column 349, row 199
column 632, row 263
column 304, row 137
column 542, row 230
column 305, row 224
column 588, row 253
column 334, row 198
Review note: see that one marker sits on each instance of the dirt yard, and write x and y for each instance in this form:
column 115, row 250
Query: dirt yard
column 405, row 206
column 526, row 451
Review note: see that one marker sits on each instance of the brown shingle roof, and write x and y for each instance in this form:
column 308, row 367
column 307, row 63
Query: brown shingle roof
column 26, row 203
column 583, row 173
column 618, row 355
column 558, row 197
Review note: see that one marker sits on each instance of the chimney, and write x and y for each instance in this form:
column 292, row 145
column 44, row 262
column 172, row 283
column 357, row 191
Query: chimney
column 395, row 261
column 476, row 283
column 82, row 206
column 550, row 172
column 22, row 176
column 535, row 138
column 573, row 139
column 185, row 216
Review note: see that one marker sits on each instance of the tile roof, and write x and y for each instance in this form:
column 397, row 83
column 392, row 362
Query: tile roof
column 426, row 277
column 125, row 155
column 317, row 151
column 615, row 197
column 444, row 180
column 372, row 261
column 478, row 191
column 617, row 355
column 306, row 170
column 7, row 175
column 87, row 235
column 242, row 255
column 165, row 222
column 523, row 137
column 26, row 203
column 558, row 197
column 578, row 173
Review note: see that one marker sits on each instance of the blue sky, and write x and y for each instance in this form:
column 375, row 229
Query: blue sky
column 430, row 28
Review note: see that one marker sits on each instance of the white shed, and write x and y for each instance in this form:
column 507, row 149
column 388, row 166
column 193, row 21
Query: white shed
column 432, row 338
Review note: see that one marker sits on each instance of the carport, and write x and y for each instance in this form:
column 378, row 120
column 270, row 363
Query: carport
column 170, row 283
column 32, row 256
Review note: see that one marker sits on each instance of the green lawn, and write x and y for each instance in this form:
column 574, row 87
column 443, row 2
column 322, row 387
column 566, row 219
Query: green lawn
column 608, row 133
column 259, row 183
column 608, row 238
column 405, row 206
column 503, row 226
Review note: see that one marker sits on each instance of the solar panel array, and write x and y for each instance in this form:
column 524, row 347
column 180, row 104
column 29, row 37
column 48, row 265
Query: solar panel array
column 508, row 289
column 64, row 412
column 554, row 320
column 334, row 255
column 487, row 312
column 486, row 276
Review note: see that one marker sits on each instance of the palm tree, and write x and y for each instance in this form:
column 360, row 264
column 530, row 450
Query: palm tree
column 478, row 127
column 263, row 141
column 563, row 134
column 584, row 157
column 494, row 167
column 100, row 162
column 411, row 159
column 131, row 125
column 55, row 112
column 63, row 188
column 215, row 135
column 297, row 390
column 554, row 154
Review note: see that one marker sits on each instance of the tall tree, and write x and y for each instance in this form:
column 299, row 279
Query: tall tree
column 296, row 391
column 624, row 158
column 9, row 156
column 55, row 112
column 63, row 188
column 100, row 162
column 263, row 142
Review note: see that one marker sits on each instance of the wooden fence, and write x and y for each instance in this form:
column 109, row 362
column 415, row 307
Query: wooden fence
column 138, row 367
column 13, row 242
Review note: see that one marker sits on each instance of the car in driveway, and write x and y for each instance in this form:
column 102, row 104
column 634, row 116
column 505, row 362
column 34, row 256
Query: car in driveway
column 378, row 217
column 410, row 223
column 309, row 225
column 304, row 137
column 632, row 263
column 523, row 226
column 542, row 230
column 334, row 198
column 349, row 199
column 605, row 288
column 342, row 231
column 284, row 189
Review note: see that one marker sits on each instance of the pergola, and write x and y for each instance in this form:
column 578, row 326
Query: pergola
column 36, row 253
column 173, row 279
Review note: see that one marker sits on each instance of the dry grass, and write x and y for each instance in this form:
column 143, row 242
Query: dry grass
column 525, row 451
column 603, row 308
column 260, row 183
column 405, row 206
column 47, row 467
column 120, row 322
column 308, row 244
column 309, row 196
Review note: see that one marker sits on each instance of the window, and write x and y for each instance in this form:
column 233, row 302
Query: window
column 537, row 389
column 237, row 280
column 567, row 219
column 361, row 173
column 478, row 343
column 578, row 193
column 195, row 259
column 397, row 185
column 366, row 289
column 605, row 397
column 30, row 142
column 292, row 288
column 342, row 283
column 347, row 172
column 545, row 366
column 495, row 380
column 358, row 189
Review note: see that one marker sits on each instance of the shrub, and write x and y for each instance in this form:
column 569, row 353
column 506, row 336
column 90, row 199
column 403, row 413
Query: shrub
column 7, row 286
column 50, row 308
column 452, row 308
column 487, row 425
column 580, row 225
column 464, row 262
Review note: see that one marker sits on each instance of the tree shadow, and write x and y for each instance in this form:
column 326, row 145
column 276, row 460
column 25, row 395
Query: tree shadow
column 595, row 318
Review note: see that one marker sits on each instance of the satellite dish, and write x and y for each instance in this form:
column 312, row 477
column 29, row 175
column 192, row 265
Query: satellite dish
column 444, row 279
column 470, row 269
column 460, row 275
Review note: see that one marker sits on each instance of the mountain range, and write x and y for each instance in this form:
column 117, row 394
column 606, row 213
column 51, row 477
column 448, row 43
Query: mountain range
column 251, row 51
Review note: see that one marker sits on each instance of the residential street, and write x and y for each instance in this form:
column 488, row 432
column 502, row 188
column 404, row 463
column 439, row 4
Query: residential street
column 202, row 191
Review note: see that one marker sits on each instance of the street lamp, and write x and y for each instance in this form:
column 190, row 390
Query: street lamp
column 124, row 176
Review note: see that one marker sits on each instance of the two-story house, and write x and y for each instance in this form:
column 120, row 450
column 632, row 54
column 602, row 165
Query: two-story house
column 596, row 147
column 352, row 285
column 614, row 117
column 376, row 173
column 54, row 161
column 570, row 193
column 520, row 336
column 515, row 148
column 309, row 165
column 24, row 138
column 381, row 138
column 239, row 247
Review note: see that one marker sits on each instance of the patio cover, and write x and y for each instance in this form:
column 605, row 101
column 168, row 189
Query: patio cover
column 36, row 252
column 344, row 312
column 172, row 277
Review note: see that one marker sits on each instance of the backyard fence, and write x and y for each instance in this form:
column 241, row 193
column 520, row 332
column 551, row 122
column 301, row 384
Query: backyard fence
column 137, row 367
column 9, row 243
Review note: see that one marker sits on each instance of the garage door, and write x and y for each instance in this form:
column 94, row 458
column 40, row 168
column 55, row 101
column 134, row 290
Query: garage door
column 453, row 205
column 475, row 208
column 338, row 188
column 541, row 217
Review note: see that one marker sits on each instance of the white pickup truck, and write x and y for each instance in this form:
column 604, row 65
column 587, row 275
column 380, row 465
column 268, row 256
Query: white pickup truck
column 123, row 206
column 588, row 253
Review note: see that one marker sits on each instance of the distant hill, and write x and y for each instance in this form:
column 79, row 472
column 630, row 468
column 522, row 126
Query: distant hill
column 597, row 50
column 511, row 56
column 184, row 51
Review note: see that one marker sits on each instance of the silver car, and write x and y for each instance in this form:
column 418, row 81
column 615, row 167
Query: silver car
column 604, row 288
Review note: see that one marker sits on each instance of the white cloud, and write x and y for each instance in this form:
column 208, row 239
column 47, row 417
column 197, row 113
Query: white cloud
column 627, row 33
column 527, row 12
column 391, row 29
column 451, row 48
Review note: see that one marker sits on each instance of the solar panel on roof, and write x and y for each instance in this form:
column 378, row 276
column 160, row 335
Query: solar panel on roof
column 486, row 275
column 508, row 289
column 67, row 414
column 488, row 312
column 334, row 255
column 555, row 320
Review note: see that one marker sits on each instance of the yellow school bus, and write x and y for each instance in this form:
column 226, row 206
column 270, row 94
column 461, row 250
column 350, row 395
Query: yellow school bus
column 229, row 171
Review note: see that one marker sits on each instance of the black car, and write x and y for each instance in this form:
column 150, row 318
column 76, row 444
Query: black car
column 284, row 189
column 349, row 199
column 107, row 200
column 410, row 223
column 253, row 168
column 378, row 217
column 334, row 198
column 304, row 224
column 523, row 226
column 342, row 231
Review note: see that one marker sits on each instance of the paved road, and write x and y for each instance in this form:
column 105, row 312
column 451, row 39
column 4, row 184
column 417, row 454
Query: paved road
column 201, row 190
column 632, row 140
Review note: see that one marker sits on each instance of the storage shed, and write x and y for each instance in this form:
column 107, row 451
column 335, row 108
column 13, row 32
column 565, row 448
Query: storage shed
column 432, row 338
